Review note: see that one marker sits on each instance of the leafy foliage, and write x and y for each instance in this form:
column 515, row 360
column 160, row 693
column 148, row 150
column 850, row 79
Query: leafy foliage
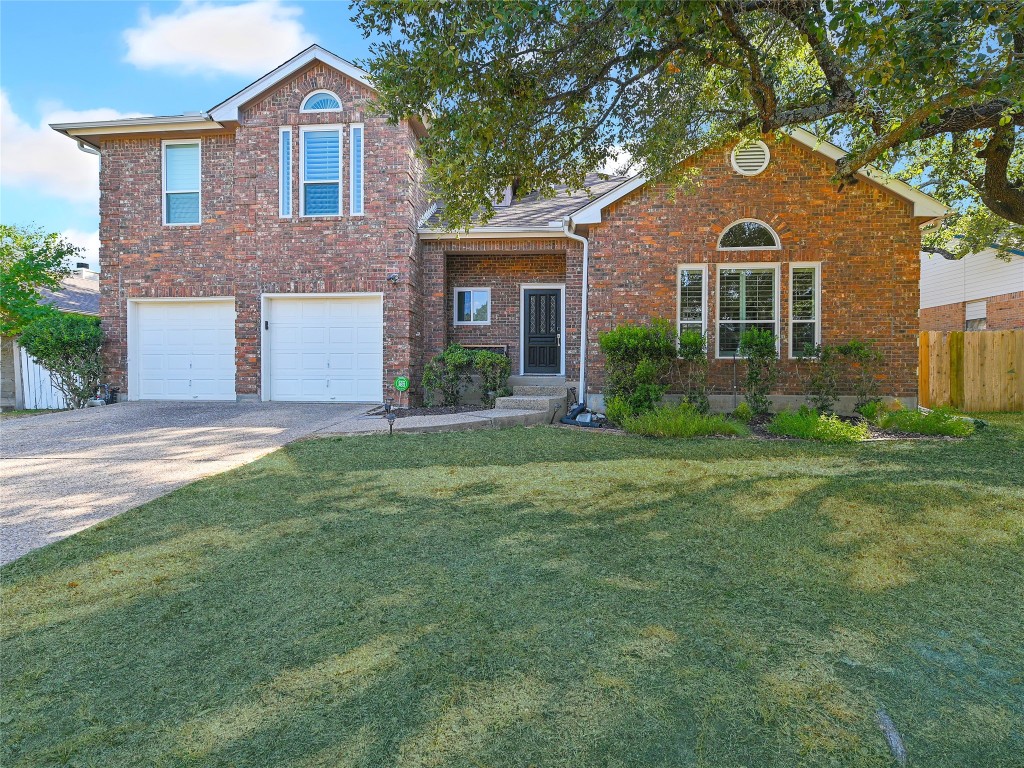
column 743, row 413
column 681, row 420
column 446, row 375
column 822, row 382
column 29, row 260
column 808, row 424
column 693, row 354
column 494, row 369
column 637, row 360
column 941, row 421
column 863, row 363
column 757, row 345
column 69, row 346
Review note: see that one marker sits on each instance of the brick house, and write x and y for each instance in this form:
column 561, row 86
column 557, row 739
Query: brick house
column 978, row 292
column 281, row 246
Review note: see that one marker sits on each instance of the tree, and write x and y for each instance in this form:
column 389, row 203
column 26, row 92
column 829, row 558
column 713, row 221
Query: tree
column 29, row 260
column 537, row 93
column 68, row 345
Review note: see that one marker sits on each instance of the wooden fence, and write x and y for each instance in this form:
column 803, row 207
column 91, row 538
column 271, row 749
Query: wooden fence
column 972, row 370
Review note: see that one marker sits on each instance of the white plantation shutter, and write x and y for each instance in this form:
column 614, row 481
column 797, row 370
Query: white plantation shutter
column 321, row 172
column 182, row 179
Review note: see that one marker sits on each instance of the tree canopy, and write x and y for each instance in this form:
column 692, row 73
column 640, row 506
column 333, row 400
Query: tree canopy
column 537, row 93
column 29, row 260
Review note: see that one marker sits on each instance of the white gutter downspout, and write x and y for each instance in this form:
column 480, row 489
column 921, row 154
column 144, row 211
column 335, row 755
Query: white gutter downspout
column 568, row 227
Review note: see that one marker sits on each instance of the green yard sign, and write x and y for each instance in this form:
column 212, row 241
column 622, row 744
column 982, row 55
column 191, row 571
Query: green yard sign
column 402, row 383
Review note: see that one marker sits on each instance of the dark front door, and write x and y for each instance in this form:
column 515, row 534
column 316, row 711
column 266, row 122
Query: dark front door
column 543, row 336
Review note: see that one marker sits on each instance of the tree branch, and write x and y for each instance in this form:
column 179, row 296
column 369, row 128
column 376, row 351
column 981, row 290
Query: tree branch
column 1003, row 196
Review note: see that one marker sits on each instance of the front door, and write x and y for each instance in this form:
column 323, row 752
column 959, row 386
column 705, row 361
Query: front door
column 542, row 336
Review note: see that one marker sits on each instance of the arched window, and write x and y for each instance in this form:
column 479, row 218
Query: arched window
column 748, row 234
column 321, row 101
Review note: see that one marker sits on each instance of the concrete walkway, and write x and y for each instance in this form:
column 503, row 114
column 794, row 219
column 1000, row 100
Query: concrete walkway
column 63, row 472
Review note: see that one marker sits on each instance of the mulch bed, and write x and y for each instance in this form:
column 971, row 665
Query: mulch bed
column 443, row 410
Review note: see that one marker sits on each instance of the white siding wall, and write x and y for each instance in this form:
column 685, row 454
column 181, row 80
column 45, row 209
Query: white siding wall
column 36, row 385
column 977, row 276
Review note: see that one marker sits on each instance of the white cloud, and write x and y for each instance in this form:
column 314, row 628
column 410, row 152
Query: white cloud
column 204, row 38
column 89, row 242
column 37, row 157
column 618, row 163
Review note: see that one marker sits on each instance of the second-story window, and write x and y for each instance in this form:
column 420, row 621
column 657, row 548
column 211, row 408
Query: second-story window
column 321, row 171
column 356, row 170
column 182, row 181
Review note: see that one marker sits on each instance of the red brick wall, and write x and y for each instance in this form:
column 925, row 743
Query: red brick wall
column 243, row 248
column 947, row 317
column 1005, row 312
column 866, row 240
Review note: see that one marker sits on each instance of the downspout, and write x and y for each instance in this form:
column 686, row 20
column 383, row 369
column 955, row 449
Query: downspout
column 87, row 148
column 568, row 227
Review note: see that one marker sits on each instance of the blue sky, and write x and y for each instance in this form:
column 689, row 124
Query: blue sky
column 67, row 61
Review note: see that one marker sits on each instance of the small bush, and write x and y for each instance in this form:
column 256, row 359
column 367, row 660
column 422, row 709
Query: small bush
column 494, row 369
column 941, row 421
column 823, row 380
column 743, row 413
column 863, row 363
column 811, row 425
column 638, row 359
column 876, row 410
column 447, row 374
column 69, row 346
column 682, row 420
column 693, row 352
column 617, row 410
column 757, row 345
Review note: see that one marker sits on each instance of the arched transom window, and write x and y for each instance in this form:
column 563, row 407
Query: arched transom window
column 748, row 234
column 321, row 101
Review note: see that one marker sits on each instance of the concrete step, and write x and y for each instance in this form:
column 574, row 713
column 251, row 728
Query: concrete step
column 532, row 390
column 528, row 380
column 542, row 403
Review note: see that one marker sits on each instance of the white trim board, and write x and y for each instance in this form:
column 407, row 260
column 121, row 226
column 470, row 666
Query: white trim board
column 523, row 288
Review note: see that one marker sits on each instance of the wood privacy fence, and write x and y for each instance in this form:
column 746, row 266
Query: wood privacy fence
column 972, row 370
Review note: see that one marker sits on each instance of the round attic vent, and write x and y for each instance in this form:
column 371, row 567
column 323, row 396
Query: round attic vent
column 751, row 158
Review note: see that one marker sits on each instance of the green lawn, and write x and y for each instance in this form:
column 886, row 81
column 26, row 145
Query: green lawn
column 540, row 597
column 17, row 414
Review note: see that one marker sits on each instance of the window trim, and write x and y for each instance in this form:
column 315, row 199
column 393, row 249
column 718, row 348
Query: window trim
column 703, row 269
column 455, row 305
column 163, row 183
column 284, row 175
column 303, row 130
column 351, row 170
column 766, row 225
column 775, row 265
column 816, row 265
column 319, row 92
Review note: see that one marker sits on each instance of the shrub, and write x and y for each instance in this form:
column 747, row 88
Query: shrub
column 808, row 424
column 757, row 345
column 823, row 381
column 494, row 370
column 693, row 352
column 941, row 421
column 69, row 346
column 864, row 362
column 638, row 359
column 743, row 413
column 682, row 420
column 447, row 374
column 617, row 410
column 876, row 410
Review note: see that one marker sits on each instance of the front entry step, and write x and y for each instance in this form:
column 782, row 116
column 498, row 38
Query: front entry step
column 544, row 403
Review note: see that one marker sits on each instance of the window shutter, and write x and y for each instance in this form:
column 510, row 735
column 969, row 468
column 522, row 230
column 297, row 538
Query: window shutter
column 321, row 156
column 181, row 168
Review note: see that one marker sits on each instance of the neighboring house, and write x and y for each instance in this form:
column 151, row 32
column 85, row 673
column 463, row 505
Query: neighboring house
column 282, row 246
column 976, row 293
column 25, row 383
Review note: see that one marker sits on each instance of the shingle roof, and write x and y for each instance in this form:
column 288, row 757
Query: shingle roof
column 533, row 210
column 78, row 294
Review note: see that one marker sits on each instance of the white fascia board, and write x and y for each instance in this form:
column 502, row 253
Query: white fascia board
column 591, row 212
column 492, row 233
column 228, row 110
column 171, row 124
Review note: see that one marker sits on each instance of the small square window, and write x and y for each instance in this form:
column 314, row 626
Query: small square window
column 472, row 306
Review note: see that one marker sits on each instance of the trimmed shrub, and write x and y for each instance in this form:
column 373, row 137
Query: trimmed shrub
column 69, row 346
column 447, row 374
column 494, row 369
column 682, row 420
column 617, row 410
column 808, row 424
column 864, row 363
column 743, row 413
column 693, row 352
column 822, row 383
column 757, row 345
column 941, row 421
column 638, row 358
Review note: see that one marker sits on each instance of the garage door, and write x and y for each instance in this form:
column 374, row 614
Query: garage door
column 325, row 349
column 184, row 350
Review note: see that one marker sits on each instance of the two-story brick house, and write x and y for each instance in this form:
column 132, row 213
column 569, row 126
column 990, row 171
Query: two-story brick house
column 281, row 246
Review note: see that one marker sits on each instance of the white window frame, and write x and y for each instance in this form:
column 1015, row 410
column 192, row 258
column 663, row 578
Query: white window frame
column 303, row 130
column 816, row 266
column 319, row 92
column 351, row 170
column 163, row 183
column 455, row 306
column 776, row 247
column 718, row 302
column 284, row 175
column 703, row 269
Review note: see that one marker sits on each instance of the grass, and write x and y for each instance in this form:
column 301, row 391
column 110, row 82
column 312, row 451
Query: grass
column 682, row 420
column 544, row 597
column 941, row 421
column 17, row 414
column 810, row 425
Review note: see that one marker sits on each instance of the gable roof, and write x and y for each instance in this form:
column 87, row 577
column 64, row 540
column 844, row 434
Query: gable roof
column 78, row 293
column 227, row 110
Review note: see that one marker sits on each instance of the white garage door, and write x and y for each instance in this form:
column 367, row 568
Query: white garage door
column 183, row 350
column 325, row 349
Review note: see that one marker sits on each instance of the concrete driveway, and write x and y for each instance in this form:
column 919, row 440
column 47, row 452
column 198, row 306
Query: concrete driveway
column 62, row 472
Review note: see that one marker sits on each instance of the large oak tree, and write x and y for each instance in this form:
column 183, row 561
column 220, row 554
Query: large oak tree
column 536, row 93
